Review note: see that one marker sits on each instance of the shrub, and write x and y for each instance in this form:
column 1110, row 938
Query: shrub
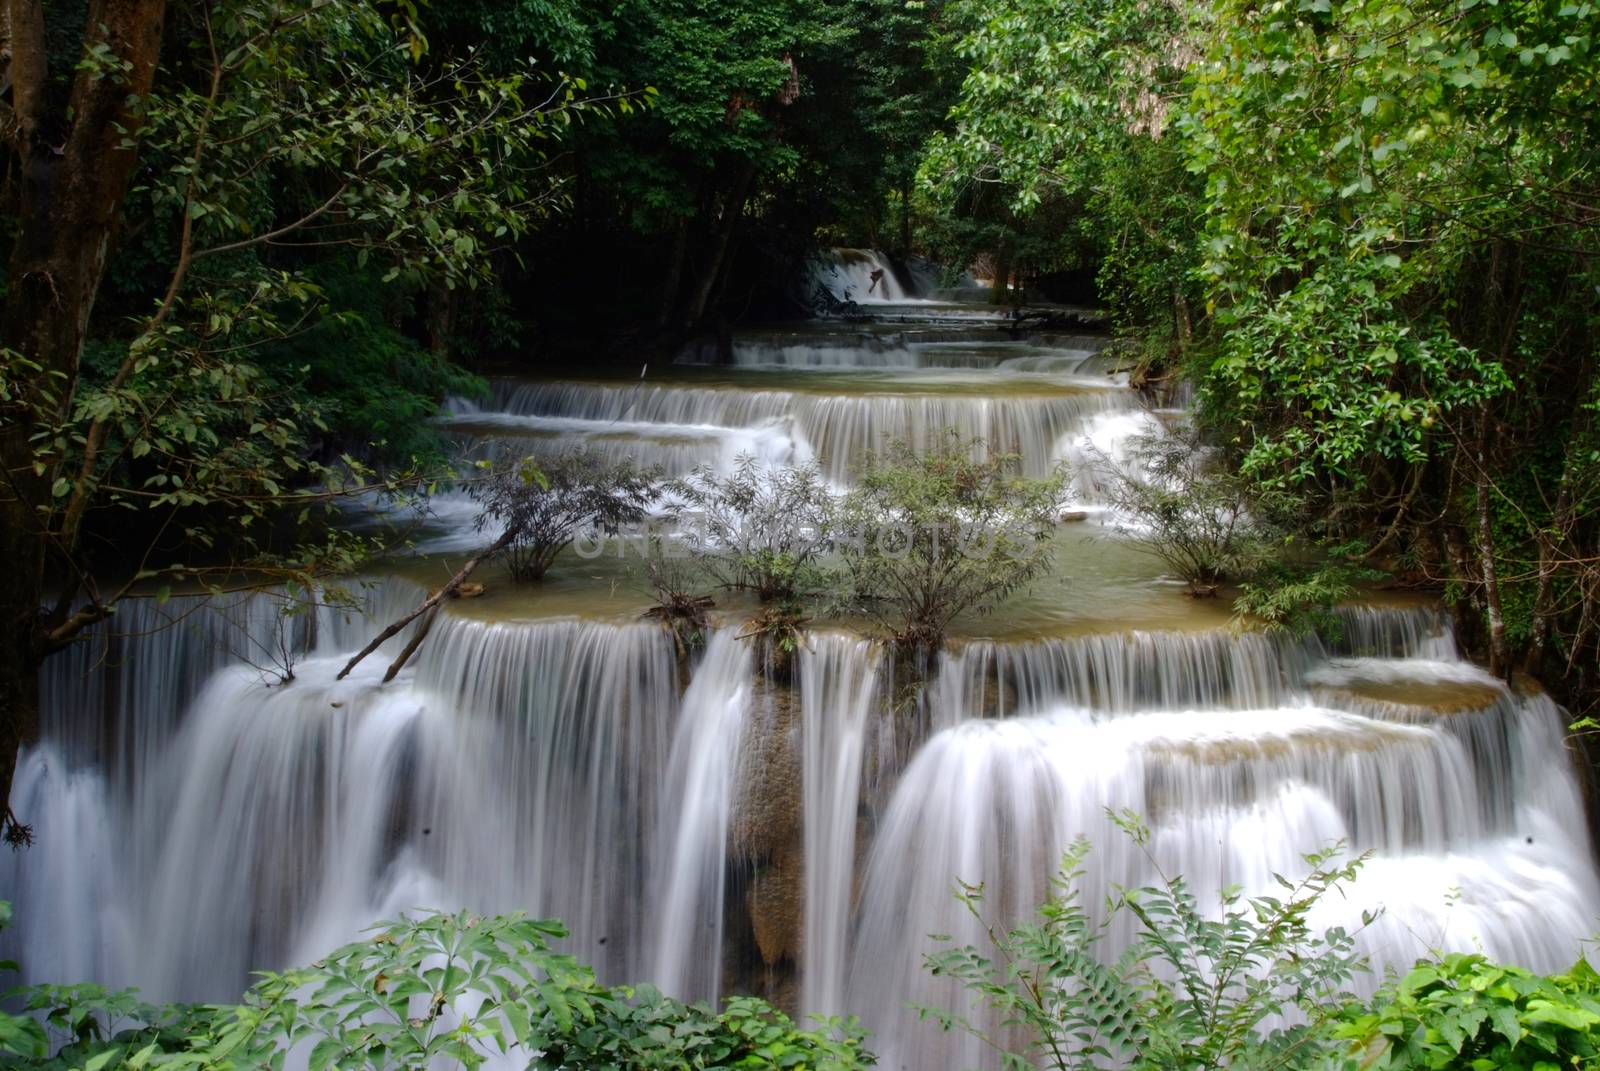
column 1190, row 992
column 426, row 992
column 952, row 531
column 374, row 388
column 1299, row 597
column 548, row 503
column 757, row 530
column 1187, row 511
column 1464, row 1013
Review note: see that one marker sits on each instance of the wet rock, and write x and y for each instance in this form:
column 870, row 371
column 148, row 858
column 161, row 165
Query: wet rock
column 776, row 902
column 768, row 807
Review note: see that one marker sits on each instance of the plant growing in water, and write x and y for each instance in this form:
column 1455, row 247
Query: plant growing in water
column 1183, row 508
column 680, row 605
column 926, row 537
column 547, row 503
column 757, row 530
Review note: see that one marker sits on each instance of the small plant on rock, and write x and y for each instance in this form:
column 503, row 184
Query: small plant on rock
column 680, row 605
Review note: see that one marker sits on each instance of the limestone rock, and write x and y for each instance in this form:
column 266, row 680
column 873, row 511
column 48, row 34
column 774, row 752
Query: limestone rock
column 776, row 902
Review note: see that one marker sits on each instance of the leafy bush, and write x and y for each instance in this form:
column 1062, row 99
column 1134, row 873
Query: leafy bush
column 1464, row 1013
column 1190, row 992
column 548, row 503
column 421, row 992
column 1187, row 511
column 924, row 538
column 1299, row 597
column 757, row 530
column 375, row 389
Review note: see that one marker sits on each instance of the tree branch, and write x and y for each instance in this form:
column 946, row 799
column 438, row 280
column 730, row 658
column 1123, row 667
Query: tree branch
column 430, row 603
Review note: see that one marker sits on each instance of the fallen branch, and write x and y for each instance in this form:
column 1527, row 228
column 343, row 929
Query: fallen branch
column 430, row 603
column 411, row 648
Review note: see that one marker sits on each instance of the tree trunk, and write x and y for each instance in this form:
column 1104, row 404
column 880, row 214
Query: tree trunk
column 672, row 281
column 1002, row 276
column 1180, row 315
column 73, row 167
column 719, row 240
column 441, row 308
column 905, row 218
column 1499, row 662
column 1548, row 539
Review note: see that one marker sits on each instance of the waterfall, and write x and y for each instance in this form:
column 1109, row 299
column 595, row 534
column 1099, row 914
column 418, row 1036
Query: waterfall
column 1460, row 789
column 279, row 799
column 809, row 350
column 904, row 351
column 210, row 800
column 860, row 275
column 548, row 803
column 839, row 683
column 837, row 429
column 1118, row 672
column 316, row 807
column 694, row 832
column 65, row 890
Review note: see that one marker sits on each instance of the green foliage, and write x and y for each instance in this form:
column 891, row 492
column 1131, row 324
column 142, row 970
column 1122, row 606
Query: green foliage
column 1360, row 152
column 1360, row 382
column 548, row 503
column 925, row 537
column 1464, row 1013
column 508, row 32
column 1298, row 597
column 374, row 387
column 1398, row 323
column 1195, row 515
column 757, row 530
column 878, row 95
column 291, row 153
column 722, row 71
column 1195, row 989
column 456, row 988
column 1064, row 114
column 1346, row 212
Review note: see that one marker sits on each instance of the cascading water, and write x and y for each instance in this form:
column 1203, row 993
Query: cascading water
column 674, row 425
column 864, row 276
column 696, row 822
column 839, row 685
column 316, row 807
column 713, row 826
column 1466, row 808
